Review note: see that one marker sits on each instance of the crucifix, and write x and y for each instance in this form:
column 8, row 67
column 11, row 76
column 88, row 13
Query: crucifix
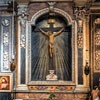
column 51, row 33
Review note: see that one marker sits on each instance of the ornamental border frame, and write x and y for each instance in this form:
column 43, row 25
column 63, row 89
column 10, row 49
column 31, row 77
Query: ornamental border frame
column 74, row 47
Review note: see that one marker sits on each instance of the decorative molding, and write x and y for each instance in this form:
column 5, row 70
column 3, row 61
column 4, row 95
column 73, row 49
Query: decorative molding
column 51, row 88
column 59, row 82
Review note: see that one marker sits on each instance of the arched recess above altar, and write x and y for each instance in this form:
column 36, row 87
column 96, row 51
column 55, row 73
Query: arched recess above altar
column 32, row 80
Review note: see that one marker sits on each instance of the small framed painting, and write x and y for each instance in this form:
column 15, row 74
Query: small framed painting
column 5, row 82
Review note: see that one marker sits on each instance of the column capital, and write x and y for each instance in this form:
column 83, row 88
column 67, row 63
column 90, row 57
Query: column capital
column 22, row 11
column 81, row 12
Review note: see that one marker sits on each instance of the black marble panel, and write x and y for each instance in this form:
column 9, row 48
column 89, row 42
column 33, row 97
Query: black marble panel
column 80, row 66
column 22, row 61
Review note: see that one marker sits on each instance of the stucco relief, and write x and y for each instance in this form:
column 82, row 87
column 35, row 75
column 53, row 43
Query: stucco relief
column 5, row 53
column 5, row 60
column 23, row 41
column 80, row 40
column 5, row 22
column 5, row 38
column 22, row 15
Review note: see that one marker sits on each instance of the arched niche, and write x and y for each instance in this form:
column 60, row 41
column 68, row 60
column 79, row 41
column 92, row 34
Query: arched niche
column 69, row 24
column 46, row 10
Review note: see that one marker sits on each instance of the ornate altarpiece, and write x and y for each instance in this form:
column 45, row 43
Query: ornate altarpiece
column 25, row 52
column 28, row 19
column 27, row 42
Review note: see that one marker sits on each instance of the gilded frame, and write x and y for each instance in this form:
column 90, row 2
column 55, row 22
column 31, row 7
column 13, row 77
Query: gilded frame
column 5, row 82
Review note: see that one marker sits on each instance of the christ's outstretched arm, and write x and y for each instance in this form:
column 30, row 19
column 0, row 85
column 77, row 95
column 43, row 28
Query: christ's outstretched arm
column 43, row 32
column 59, row 32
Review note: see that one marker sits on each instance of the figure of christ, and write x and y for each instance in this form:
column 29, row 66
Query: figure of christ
column 51, row 36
